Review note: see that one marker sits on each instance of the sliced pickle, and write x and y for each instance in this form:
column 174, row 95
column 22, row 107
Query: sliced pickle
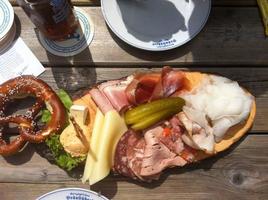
column 155, row 118
column 263, row 5
column 143, row 111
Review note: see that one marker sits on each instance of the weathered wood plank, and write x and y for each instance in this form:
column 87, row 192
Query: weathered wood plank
column 241, row 173
column 234, row 2
column 232, row 36
column 254, row 79
column 214, row 2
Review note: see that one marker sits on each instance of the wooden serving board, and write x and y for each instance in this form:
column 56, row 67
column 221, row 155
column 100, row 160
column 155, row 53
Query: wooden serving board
column 232, row 44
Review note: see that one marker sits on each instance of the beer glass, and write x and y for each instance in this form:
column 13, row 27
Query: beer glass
column 54, row 18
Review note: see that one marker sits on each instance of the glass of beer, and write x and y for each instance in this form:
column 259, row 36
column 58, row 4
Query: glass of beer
column 54, row 18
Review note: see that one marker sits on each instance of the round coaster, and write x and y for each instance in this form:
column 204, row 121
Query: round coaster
column 6, row 17
column 76, row 42
column 8, row 39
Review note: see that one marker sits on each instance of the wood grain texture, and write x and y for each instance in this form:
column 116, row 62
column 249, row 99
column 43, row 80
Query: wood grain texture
column 232, row 36
column 253, row 79
column 241, row 172
column 214, row 2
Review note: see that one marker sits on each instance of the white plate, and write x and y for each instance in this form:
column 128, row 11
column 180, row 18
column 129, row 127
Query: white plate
column 72, row 194
column 156, row 25
column 8, row 39
column 6, row 17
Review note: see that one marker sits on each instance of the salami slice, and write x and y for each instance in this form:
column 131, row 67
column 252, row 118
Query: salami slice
column 120, row 159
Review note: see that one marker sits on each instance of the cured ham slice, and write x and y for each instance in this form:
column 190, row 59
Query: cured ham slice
column 148, row 87
column 145, row 156
column 170, row 82
column 141, row 88
column 101, row 100
column 157, row 156
column 111, row 95
column 115, row 93
column 196, row 136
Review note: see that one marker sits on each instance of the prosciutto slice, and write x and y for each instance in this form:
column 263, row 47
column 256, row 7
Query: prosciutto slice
column 152, row 86
column 141, row 88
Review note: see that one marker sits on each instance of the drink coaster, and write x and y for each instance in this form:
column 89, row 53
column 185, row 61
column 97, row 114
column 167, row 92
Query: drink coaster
column 6, row 17
column 8, row 39
column 76, row 42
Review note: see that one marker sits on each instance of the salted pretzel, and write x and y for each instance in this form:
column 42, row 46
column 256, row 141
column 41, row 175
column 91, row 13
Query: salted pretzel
column 21, row 87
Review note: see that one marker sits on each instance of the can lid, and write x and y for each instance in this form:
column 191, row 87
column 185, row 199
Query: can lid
column 6, row 17
column 76, row 42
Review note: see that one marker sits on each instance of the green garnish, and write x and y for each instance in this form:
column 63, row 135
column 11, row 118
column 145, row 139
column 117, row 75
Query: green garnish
column 62, row 158
column 65, row 99
column 46, row 116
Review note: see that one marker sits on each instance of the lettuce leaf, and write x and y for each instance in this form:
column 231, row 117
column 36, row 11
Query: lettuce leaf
column 65, row 99
column 46, row 116
column 62, row 158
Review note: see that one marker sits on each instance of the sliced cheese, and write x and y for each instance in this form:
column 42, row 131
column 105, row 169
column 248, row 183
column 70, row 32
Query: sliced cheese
column 92, row 154
column 103, row 145
column 80, row 113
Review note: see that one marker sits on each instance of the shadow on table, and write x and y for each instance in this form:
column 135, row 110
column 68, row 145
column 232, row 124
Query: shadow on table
column 71, row 73
column 137, row 24
column 151, row 19
column 22, row 157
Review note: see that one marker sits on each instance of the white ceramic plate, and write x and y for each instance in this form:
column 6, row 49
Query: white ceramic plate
column 72, row 194
column 6, row 17
column 156, row 25
column 8, row 39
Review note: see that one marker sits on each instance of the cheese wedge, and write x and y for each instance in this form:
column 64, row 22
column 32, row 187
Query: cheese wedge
column 80, row 113
column 92, row 154
column 107, row 131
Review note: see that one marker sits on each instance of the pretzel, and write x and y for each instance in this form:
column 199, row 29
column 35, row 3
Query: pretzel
column 24, row 124
column 25, row 86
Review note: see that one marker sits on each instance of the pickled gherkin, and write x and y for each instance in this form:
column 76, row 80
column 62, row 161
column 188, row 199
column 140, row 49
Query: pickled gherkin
column 263, row 5
column 148, row 114
column 154, row 118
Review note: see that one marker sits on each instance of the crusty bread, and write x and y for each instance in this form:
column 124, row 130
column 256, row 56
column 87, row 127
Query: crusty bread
column 234, row 133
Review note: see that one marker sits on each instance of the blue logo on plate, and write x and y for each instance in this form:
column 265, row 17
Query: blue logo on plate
column 164, row 43
column 78, row 196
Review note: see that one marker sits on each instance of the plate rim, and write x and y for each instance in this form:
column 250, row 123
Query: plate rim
column 156, row 49
column 71, row 188
column 11, row 19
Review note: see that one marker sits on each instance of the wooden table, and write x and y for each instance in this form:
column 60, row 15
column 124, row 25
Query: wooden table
column 231, row 44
